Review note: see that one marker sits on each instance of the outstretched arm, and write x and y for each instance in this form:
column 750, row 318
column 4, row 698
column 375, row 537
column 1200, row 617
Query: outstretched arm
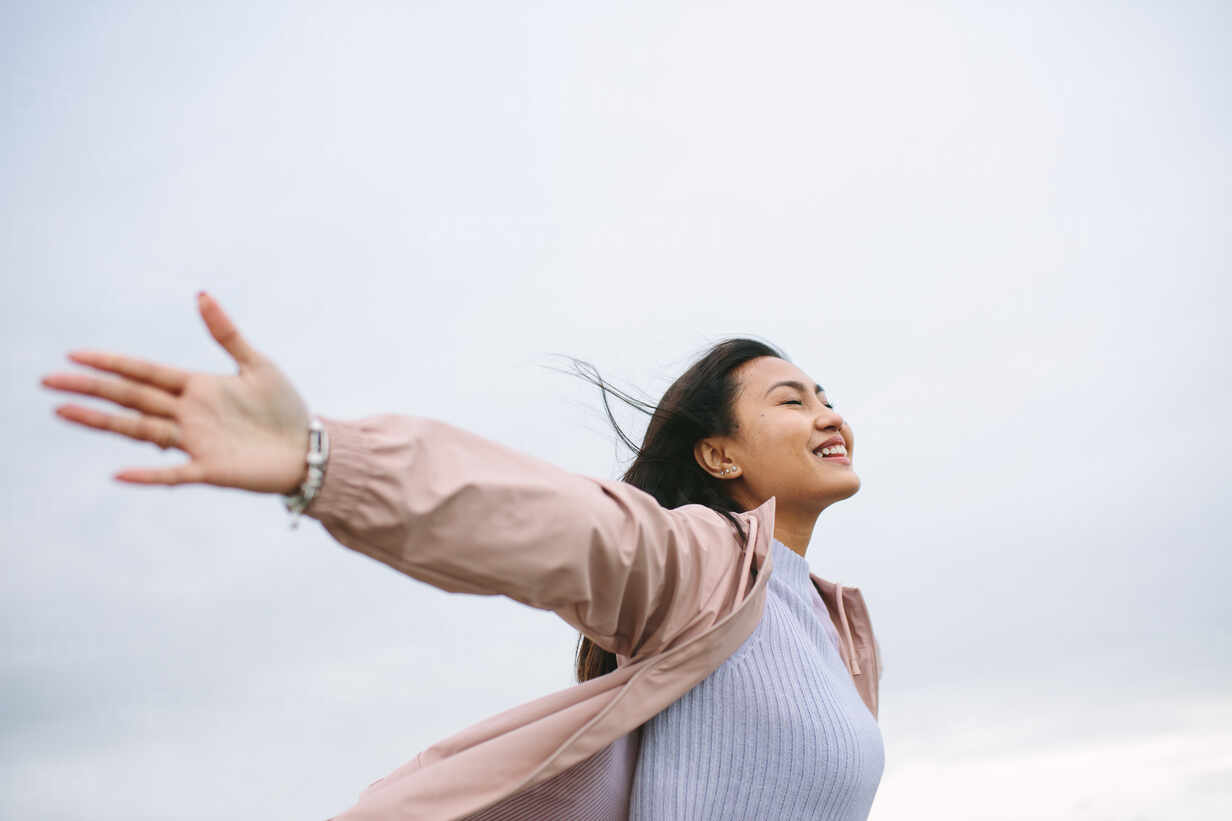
column 428, row 499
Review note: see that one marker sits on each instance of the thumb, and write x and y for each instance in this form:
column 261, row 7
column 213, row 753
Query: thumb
column 224, row 331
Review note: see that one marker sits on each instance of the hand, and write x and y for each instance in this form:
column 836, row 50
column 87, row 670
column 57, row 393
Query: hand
column 247, row 430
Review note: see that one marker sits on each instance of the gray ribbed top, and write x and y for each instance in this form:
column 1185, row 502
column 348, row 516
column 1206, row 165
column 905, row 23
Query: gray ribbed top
column 777, row 731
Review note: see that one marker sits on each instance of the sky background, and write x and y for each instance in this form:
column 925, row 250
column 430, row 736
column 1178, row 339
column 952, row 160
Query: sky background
column 998, row 238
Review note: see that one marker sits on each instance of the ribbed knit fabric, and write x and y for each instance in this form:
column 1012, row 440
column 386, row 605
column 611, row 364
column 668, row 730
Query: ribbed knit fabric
column 777, row 731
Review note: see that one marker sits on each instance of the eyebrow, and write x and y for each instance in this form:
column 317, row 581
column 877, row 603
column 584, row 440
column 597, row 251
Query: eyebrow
column 791, row 383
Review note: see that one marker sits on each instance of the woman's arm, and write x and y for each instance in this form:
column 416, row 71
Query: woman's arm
column 468, row 515
column 428, row 499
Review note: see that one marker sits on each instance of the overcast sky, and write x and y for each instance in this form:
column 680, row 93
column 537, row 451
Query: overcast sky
column 999, row 239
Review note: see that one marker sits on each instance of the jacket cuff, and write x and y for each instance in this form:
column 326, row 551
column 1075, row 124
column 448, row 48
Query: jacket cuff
column 345, row 474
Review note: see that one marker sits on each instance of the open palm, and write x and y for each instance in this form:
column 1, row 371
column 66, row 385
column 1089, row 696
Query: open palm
column 247, row 430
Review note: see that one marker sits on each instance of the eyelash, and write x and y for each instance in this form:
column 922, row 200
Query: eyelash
column 798, row 402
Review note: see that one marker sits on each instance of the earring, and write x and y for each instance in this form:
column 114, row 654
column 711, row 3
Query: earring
column 727, row 471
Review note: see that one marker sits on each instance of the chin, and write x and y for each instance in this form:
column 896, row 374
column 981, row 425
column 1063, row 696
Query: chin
column 838, row 492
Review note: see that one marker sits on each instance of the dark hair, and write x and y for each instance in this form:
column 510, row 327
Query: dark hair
column 698, row 404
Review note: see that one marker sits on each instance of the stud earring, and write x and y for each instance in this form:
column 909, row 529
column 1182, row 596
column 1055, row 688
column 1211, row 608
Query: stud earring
column 727, row 471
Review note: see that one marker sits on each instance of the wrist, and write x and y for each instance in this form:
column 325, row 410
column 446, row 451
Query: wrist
column 299, row 457
column 299, row 482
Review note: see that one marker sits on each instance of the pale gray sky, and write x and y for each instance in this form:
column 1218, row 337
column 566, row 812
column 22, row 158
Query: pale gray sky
column 998, row 238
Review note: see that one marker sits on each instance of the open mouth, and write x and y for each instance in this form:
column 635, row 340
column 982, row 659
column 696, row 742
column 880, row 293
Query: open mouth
column 833, row 453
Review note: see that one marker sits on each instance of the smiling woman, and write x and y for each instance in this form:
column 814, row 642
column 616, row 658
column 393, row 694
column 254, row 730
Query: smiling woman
column 718, row 677
column 737, row 428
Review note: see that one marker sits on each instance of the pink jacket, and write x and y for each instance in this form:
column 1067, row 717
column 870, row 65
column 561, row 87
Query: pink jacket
column 671, row 592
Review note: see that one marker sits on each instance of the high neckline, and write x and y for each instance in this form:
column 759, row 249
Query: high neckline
column 791, row 568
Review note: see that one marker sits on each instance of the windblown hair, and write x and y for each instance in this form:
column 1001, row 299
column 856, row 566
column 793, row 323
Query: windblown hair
column 698, row 404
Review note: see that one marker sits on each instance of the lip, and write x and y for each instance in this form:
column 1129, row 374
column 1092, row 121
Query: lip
column 835, row 440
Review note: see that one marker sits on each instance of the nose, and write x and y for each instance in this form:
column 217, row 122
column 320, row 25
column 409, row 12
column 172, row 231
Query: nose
column 829, row 418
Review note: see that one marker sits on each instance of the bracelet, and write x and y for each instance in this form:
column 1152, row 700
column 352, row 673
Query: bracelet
column 318, row 455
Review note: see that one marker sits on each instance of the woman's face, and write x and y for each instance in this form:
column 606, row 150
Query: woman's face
column 783, row 420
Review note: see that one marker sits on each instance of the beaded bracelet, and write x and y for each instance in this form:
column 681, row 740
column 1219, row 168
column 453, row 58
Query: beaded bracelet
column 318, row 455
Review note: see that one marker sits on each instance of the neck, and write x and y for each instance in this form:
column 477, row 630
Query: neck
column 795, row 528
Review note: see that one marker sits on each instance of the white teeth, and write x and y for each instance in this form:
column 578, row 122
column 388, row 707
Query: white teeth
column 834, row 450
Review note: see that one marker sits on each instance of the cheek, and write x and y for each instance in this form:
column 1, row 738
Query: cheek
column 774, row 445
column 783, row 449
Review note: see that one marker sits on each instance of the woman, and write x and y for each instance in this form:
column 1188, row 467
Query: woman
column 719, row 677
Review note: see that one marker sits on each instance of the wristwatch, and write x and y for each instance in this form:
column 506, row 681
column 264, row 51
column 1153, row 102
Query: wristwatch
column 318, row 455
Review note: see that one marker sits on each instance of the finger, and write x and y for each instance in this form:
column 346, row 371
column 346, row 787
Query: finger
column 161, row 432
column 224, row 331
column 129, row 394
column 166, row 377
column 188, row 473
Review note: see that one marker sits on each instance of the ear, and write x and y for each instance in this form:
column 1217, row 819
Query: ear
column 710, row 454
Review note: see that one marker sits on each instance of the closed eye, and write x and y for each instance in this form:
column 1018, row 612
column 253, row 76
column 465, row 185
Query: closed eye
column 798, row 402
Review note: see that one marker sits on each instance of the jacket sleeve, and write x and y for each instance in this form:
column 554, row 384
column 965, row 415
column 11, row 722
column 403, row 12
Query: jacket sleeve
column 468, row 515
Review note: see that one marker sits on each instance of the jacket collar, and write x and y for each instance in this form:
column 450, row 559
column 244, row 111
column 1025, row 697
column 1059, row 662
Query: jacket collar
column 854, row 627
